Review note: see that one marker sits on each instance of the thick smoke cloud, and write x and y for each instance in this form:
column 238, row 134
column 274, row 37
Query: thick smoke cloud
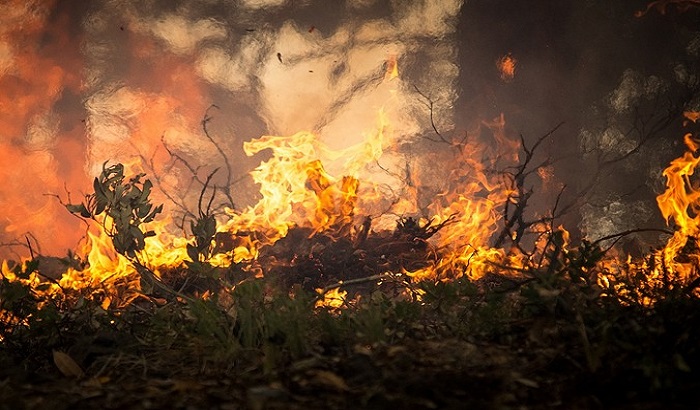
column 131, row 81
column 610, row 75
column 141, row 76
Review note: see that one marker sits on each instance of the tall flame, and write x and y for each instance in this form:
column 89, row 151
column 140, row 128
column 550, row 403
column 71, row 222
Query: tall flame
column 680, row 203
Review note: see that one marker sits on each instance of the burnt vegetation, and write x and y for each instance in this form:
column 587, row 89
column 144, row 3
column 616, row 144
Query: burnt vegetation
column 564, row 330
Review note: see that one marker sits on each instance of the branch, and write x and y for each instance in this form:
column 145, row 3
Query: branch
column 430, row 105
column 620, row 235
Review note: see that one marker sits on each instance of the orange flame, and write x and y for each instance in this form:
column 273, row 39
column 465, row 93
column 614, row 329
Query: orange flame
column 392, row 67
column 506, row 66
column 693, row 116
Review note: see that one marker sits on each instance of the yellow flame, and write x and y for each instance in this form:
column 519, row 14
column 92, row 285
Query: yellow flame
column 296, row 190
column 333, row 298
column 392, row 67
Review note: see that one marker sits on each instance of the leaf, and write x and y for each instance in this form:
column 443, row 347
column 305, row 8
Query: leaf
column 143, row 210
column 78, row 209
column 192, row 252
column 209, row 226
column 147, row 185
column 67, row 365
column 97, row 186
column 680, row 363
column 330, row 379
column 153, row 214
column 138, row 238
column 100, row 203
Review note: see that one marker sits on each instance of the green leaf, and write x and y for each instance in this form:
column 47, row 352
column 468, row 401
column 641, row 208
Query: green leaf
column 147, row 185
column 78, row 209
column 209, row 226
column 153, row 214
column 143, row 210
column 97, row 187
column 192, row 252
column 138, row 238
column 100, row 204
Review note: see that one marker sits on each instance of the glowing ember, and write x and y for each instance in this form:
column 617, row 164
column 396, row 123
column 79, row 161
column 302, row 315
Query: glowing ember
column 506, row 66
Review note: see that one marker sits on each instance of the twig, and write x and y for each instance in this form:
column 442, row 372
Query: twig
column 620, row 235
column 430, row 105
column 29, row 245
column 355, row 282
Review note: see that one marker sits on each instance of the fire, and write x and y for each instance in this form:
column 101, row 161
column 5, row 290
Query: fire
column 506, row 66
column 107, row 272
column 305, row 184
column 680, row 203
column 392, row 68
column 333, row 298
column 674, row 265
column 296, row 190
column 693, row 116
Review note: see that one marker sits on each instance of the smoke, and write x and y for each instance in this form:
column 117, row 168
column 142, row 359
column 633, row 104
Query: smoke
column 132, row 82
column 41, row 142
column 610, row 76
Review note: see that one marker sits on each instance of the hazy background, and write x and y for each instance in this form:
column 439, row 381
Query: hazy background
column 86, row 82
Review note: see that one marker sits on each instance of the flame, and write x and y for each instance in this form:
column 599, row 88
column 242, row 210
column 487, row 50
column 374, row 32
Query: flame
column 296, row 190
column 110, row 273
column 693, row 116
column 680, row 203
column 333, row 298
column 506, row 66
column 674, row 264
column 392, row 67
column 306, row 184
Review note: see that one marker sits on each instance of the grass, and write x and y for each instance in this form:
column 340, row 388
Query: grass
column 553, row 336
column 443, row 345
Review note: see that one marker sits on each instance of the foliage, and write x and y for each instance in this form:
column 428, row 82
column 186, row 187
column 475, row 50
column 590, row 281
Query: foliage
column 125, row 205
column 553, row 335
column 559, row 341
column 203, row 227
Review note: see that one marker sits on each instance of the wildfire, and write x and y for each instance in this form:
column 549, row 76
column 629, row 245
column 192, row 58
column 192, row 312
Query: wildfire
column 680, row 203
column 296, row 190
column 453, row 233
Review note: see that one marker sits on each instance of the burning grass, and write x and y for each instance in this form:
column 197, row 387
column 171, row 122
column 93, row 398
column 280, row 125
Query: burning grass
column 308, row 299
column 547, row 341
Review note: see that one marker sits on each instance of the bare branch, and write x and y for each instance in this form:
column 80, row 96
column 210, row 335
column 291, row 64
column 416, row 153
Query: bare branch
column 430, row 104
